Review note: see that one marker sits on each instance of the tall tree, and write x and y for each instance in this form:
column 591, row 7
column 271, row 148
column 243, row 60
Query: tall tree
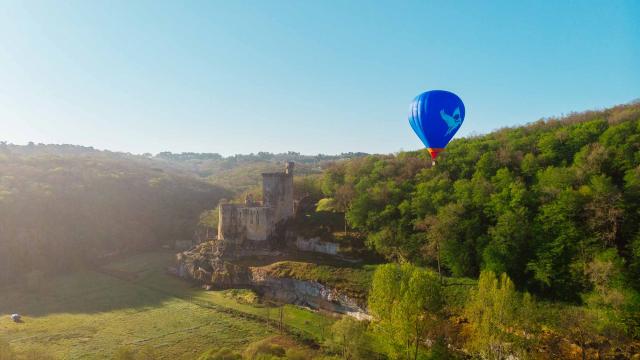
column 404, row 300
column 494, row 310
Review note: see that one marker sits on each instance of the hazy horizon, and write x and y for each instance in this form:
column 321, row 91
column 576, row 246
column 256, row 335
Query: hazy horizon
column 331, row 77
column 419, row 147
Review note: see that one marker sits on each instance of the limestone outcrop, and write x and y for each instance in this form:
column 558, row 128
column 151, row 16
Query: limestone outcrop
column 310, row 294
column 202, row 265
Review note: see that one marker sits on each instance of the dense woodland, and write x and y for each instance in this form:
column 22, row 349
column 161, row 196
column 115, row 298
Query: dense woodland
column 541, row 203
column 554, row 205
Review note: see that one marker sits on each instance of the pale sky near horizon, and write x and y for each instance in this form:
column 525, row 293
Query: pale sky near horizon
column 306, row 76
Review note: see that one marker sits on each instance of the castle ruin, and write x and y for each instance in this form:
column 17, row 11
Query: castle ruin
column 259, row 222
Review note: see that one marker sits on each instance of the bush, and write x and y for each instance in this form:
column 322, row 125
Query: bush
column 243, row 296
column 297, row 354
column 221, row 354
column 406, row 302
column 348, row 337
column 263, row 349
column 495, row 312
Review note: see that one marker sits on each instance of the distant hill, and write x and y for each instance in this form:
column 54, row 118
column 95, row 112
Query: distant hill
column 235, row 173
column 63, row 206
column 241, row 172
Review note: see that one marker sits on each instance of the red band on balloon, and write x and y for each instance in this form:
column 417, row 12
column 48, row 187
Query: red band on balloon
column 434, row 152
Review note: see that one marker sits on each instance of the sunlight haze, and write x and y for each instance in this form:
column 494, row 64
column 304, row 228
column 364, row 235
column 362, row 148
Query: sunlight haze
column 313, row 77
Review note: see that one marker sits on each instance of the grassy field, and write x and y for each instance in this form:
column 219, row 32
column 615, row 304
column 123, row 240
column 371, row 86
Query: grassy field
column 134, row 303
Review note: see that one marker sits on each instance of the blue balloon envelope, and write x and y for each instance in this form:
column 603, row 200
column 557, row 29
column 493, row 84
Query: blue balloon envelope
column 436, row 116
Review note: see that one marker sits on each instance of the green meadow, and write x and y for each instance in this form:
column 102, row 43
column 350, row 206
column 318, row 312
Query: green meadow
column 133, row 303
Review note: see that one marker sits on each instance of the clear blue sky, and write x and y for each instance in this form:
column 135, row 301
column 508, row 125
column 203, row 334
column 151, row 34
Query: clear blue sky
column 308, row 76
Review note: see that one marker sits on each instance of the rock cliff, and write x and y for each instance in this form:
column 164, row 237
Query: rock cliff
column 202, row 265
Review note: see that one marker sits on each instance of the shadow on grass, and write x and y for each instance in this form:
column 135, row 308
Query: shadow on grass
column 99, row 290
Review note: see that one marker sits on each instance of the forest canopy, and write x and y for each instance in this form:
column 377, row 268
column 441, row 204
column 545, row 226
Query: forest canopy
column 554, row 204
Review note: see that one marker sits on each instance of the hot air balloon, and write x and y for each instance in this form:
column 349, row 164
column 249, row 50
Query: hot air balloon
column 436, row 116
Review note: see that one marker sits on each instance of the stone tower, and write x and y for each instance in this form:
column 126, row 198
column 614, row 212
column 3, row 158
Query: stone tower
column 277, row 193
column 255, row 221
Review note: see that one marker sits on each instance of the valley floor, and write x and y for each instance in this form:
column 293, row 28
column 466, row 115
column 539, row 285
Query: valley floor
column 134, row 303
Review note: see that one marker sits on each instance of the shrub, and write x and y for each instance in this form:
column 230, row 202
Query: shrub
column 496, row 311
column 348, row 338
column 405, row 301
column 259, row 349
column 221, row 354
column 297, row 354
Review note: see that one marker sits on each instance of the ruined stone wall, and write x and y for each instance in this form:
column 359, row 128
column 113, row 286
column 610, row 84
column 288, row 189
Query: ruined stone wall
column 258, row 222
column 238, row 223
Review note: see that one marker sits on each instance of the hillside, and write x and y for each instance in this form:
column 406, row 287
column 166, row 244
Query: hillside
column 242, row 172
column 536, row 201
column 544, row 216
column 63, row 206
